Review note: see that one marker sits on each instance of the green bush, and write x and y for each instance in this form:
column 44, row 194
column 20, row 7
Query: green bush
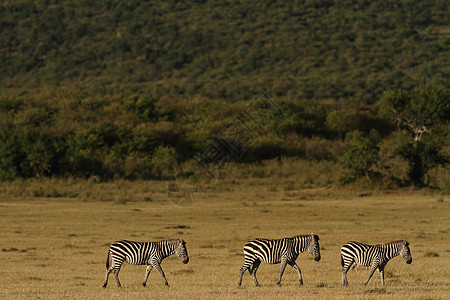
column 264, row 148
column 164, row 162
column 361, row 155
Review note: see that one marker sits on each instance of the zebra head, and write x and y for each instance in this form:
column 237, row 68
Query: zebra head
column 405, row 252
column 181, row 251
column 314, row 247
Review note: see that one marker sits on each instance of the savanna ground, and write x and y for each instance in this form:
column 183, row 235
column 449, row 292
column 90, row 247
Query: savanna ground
column 55, row 235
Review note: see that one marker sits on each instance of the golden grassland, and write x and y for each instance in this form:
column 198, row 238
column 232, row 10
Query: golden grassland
column 55, row 235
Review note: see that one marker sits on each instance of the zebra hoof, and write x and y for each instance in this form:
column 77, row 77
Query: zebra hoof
column 144, row 284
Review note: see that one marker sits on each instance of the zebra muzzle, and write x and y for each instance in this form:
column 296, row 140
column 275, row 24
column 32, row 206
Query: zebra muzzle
column 185, row 261
column 409, row 261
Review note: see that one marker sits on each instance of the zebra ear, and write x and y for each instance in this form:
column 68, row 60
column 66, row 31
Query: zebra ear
column 181, row 241
column 405, row 243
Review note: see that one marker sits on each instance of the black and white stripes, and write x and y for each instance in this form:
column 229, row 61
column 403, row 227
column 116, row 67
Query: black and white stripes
column 143, row 253
column 271, row 251
column 284, row 251
column 373, row 256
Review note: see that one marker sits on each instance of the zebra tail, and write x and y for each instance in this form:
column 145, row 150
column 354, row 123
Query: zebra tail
column 107, row 260
column 342, row 260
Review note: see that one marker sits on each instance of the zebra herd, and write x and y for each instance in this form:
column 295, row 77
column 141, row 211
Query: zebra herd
column 269, row 251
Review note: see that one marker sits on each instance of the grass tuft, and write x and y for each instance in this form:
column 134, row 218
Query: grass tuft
column 431, row 254
column 321, row 285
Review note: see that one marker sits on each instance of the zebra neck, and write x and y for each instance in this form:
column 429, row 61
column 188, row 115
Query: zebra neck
column 391, row 250
column 301, row 243
column 167, row 248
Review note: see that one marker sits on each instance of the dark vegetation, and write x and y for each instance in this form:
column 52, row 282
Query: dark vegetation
column 136, row 89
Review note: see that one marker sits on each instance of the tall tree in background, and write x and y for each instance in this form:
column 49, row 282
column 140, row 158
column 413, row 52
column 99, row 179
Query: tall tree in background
column 420, row 112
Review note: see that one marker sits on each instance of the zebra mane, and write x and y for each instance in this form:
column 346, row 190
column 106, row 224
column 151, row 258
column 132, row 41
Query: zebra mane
column 398, row 242
column 299, row 236
column 174, row 241
column 389, row 243
column 316, row 237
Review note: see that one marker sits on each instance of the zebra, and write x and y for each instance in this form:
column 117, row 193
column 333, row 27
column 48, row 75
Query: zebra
column 373, row 256
column 284, row 251
column 143, row 253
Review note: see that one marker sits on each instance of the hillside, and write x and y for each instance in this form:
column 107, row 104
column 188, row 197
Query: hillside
column 145, row 89
column 229, row 50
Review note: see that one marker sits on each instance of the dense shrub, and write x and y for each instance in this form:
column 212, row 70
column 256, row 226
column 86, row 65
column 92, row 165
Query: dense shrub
column 361, row 155
column 137, row 137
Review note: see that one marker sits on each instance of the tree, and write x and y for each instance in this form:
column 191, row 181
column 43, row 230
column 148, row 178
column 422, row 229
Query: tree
column 419, row 111
column 361, row 155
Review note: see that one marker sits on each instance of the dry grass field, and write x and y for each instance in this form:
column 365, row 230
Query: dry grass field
column 55, row 234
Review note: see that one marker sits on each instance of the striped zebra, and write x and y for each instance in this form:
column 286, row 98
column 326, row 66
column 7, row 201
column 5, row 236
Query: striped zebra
column 284, row 251
column 373, row 256
column 143, row 253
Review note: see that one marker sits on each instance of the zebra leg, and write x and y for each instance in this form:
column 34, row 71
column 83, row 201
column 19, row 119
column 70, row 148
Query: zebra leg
column 283, row 266
column 107, row 275
column 244, row 268
column 147, row 272
column 372, row 270
column 160, row 270
column 345, row 267
column 247, row 264
column 115, row 266
column 254, row 269
column 294, row 265
column 241, row 273
column 381, row 274
column 116, row 274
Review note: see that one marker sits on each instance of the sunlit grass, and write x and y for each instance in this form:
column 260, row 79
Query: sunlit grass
column 55, row 246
